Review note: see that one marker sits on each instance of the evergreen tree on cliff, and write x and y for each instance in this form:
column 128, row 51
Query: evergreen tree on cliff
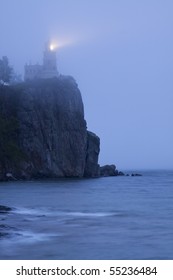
column 5, row 69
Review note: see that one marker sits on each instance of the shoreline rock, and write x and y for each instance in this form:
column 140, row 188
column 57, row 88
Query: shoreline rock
column 108, row 170
column 92, row 168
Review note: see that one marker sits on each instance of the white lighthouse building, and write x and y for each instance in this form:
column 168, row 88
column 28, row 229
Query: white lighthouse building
column 45, row 71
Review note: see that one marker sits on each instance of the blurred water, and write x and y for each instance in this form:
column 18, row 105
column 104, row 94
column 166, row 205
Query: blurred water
column 105, row 218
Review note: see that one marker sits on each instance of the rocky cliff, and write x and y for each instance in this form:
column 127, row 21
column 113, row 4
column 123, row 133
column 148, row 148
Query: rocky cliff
column 92, row 168
column 43, row 131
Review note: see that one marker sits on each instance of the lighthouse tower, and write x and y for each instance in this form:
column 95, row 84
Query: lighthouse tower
column 49, row 62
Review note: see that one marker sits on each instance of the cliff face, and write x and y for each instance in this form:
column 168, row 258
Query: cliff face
column 43, row 131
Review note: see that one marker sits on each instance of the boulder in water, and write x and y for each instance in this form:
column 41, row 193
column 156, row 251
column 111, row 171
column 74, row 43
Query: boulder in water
column 108, row 170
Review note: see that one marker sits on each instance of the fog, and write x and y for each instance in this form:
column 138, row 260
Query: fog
column 121, row 54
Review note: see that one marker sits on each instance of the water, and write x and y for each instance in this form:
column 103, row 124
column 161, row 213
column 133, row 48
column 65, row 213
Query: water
column 105, row 218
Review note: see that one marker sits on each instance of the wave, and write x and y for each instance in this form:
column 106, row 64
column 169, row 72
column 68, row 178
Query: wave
column 89, row 214
column 30, row 236
column 58, row 213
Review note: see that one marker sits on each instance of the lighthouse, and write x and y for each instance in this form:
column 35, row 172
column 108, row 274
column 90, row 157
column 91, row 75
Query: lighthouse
column 45, row 71
column 49, row 62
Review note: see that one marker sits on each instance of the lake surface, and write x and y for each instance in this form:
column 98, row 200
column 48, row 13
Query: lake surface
column 104, row 218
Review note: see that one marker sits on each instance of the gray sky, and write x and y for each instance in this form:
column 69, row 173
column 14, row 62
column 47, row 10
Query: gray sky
column 121, row 54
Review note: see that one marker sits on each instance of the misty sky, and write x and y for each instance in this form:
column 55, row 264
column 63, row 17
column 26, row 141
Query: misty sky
column 121, row 54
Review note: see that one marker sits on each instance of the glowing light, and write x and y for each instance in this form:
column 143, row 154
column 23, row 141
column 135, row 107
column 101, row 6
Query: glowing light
column 61, row 42
column 52, row 47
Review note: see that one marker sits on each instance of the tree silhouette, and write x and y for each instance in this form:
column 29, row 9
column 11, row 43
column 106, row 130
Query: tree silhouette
column 5, row 69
